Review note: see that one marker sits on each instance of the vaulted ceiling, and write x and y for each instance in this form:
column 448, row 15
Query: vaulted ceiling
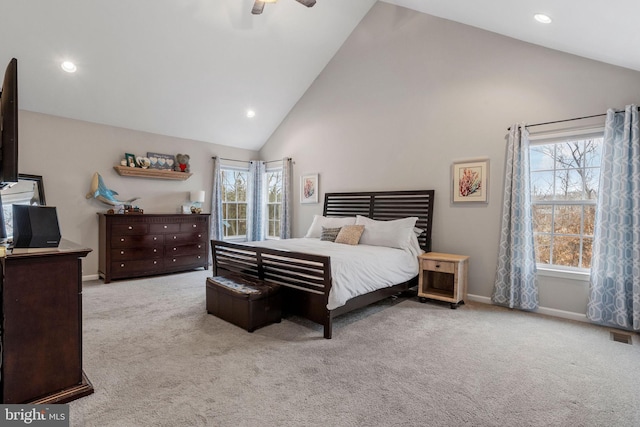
column 193, row 68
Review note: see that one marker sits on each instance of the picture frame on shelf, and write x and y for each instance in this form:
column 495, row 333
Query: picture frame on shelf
column 309, row 188
column 131, row 159
column 470, row 181
column 161, row 161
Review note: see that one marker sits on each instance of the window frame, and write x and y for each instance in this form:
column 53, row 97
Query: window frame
column 556, row 270
column 237, row 237
column 267, row 219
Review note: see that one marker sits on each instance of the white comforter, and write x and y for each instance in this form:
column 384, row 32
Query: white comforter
column 357, row 269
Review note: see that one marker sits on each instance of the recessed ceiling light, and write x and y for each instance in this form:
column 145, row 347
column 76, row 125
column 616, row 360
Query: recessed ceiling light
column 541, row 17
column 251, row 113
column 69, row 67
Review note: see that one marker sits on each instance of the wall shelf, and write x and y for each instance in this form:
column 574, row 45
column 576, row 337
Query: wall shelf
column 152, row 173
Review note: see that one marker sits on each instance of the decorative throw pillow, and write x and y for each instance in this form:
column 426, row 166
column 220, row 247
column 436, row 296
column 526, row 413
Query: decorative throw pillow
column 394, row 234
column 329, row 234
column 350, row 234
column 319, row 221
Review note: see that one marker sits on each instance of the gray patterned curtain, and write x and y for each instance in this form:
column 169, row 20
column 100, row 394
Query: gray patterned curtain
column 256, row 202
column 287, row 196
column 614, row 298
column 516, row 282
column 216, row 202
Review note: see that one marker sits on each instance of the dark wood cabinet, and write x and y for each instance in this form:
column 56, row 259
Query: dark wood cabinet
column 42, row 325
column 148, row 244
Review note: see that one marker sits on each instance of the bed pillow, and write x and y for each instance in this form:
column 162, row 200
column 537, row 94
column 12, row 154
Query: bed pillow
column 329, row 234
column 319, row 221
column 393, row 234
column 350, row 234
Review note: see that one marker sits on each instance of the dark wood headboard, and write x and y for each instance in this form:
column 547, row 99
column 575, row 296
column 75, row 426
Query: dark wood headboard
column 384, row 206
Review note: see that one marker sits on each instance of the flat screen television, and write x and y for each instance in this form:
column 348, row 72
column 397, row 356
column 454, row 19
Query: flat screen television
column 9, row 126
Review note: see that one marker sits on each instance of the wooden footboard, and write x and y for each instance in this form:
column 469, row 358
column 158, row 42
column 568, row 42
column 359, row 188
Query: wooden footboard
column 305, row 278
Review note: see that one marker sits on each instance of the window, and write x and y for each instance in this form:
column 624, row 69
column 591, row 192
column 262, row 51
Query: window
column 234, row 202
column 274, row 202
column 565, row 173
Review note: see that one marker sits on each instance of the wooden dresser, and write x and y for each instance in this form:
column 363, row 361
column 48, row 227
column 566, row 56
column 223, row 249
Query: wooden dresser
column 41, row 332
column 148, row 244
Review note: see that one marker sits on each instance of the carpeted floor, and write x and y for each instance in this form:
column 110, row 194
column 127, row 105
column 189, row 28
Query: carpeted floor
column 156, row 358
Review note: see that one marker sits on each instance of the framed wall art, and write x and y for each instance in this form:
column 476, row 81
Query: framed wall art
column 470, row 181
column 309, row 188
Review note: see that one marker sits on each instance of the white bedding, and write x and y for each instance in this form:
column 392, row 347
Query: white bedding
column 357, row 269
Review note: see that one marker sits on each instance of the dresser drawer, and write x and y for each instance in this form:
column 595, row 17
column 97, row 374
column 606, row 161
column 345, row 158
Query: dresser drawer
column 177, row 250
column 183, row 238
column 126, row 229
column 125, row 241
column 164, row 228
column 187, row 227
column 126, row 268
column 126, row 254
column 178, row 262
column 442, row 266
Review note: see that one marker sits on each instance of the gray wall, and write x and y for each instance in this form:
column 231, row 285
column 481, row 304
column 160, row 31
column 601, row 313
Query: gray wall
column 408, row 93
column 68, row 152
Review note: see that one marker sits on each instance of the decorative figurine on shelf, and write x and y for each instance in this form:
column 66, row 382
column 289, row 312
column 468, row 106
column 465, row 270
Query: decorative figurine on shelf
column 182, row 163
column 100, row 191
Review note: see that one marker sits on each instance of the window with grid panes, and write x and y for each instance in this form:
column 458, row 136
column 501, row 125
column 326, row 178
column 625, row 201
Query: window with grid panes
column 565, row 173
column 274, row 202
column 234, row 202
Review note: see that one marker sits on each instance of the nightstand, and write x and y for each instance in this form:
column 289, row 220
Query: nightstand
column 443, row 277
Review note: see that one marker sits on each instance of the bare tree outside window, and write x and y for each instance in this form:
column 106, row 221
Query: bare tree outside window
column 234, row 202
column 274, row 202
column 564, row 184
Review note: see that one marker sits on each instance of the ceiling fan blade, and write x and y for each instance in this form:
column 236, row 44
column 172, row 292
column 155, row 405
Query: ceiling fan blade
column 308, row 3
column 258, row 7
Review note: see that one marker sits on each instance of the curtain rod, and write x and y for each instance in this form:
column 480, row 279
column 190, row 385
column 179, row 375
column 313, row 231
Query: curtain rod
column 247, row 161
column 570, row 120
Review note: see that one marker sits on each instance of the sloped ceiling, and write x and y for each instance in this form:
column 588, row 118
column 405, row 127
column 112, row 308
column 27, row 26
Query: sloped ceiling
column 192, row 68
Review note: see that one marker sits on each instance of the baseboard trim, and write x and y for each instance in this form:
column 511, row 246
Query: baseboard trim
column 542, row 310
column 90, row 277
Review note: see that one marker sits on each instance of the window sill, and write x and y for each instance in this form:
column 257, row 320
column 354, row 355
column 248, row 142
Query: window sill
column 582, row 276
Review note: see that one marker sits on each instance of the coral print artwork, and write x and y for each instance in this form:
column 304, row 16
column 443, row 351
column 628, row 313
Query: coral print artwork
column 470, row 180
column 309, row 188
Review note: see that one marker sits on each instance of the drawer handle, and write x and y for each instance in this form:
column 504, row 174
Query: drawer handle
column 130, row 228
column 121, row 265
column 175, row 249
column 155, row 238
column 199, row 246
column 199, row 257
column 155, row 250
column 122, row 240
column 194, row 226
column 175, row 237
column 155, row 262
column 165, row 226
column 121, row 252
column 174, row 260
column 199, row 235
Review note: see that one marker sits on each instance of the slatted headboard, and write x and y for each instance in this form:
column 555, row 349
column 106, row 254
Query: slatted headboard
column 384, row 206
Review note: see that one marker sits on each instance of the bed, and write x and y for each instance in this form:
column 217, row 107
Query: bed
column 306, row 278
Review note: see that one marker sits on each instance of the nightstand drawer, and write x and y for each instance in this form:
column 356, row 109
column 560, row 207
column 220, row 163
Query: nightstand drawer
column 442, row 266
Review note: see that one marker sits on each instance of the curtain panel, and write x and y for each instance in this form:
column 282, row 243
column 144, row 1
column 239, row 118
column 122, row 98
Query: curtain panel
column 614, row 293
column 216, row 232
column 287, row 197
column 516, row 282
column 256, row 201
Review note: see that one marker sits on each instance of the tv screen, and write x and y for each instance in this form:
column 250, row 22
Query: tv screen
column 9, row 125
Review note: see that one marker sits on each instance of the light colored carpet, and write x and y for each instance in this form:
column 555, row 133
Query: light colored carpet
column 156, row 358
